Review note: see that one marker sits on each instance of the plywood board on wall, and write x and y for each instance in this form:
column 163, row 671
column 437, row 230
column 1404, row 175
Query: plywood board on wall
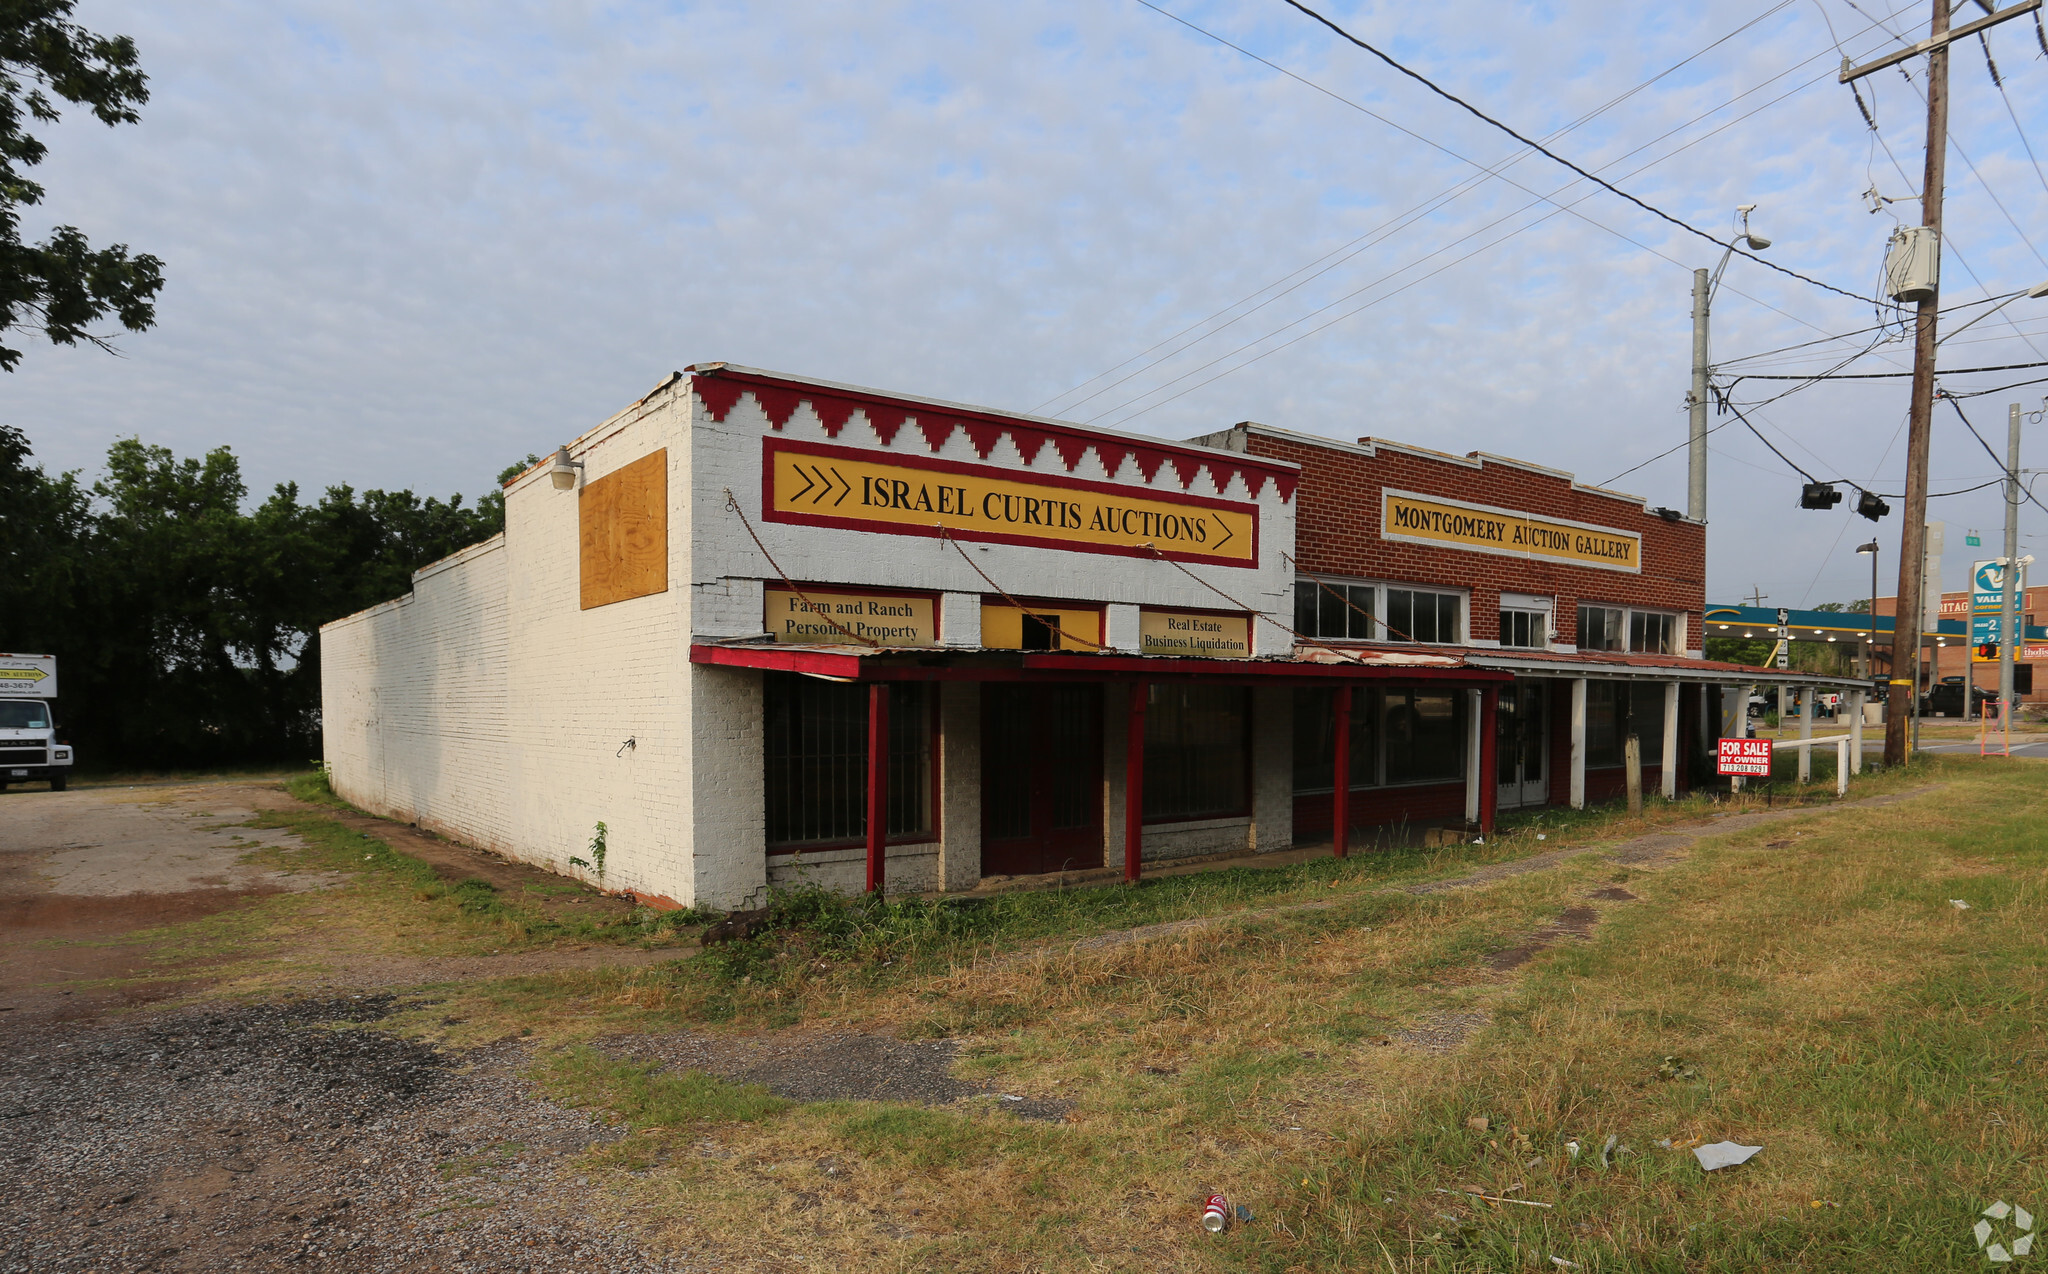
column 623, row 524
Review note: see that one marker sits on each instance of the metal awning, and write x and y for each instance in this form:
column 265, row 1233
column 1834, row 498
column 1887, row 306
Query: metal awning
column 898, row 663
column 1608, row 667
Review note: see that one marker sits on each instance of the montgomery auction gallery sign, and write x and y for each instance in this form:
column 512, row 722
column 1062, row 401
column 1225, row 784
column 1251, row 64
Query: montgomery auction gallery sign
column 1480, row 528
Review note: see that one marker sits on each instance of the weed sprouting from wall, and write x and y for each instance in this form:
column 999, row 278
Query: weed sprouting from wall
column 596, row 860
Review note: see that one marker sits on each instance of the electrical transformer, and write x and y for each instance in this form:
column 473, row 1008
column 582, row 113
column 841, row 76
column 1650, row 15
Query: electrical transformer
column 1912, row 266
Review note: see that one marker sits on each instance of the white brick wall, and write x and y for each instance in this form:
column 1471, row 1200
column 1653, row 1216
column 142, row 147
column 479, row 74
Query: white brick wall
column 488, row 706
column 415, row 701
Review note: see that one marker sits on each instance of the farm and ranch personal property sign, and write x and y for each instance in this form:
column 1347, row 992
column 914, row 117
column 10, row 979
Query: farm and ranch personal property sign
column 1411, row 518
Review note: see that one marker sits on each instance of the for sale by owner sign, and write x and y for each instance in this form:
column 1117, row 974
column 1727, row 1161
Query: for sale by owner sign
column 1745, row 756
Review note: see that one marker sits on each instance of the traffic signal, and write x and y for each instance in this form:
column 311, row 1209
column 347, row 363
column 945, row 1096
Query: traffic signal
column 1819, row 495
column 1987, row 651
column 1871, row 505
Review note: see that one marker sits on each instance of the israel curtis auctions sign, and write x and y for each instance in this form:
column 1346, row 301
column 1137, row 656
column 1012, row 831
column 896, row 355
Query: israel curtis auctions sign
column 1479, row 528
column 892, row 493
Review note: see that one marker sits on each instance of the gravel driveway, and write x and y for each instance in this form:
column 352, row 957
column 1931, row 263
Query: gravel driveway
column 272, row 1135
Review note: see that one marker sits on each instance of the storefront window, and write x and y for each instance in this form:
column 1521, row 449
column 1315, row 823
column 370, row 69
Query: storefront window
column 1413, row 615
column 1615, row 710
column 1195, row 758
column 1603, row 723
column 1336, row 611
column 1424, row 733
column 816, row 746
column 1315, row 739
column 1601, row 627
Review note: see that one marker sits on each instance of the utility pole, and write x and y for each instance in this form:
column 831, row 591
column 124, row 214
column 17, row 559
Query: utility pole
column 1913, row 536
column 1905, row 693
column 1696, row 466
column 1757, row 596
column 2008, row 635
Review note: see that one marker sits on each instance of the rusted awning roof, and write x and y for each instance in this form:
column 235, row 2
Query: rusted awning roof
column 924, row 663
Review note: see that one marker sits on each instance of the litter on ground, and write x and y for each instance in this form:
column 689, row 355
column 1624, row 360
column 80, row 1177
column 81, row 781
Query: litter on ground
column 1723, row 1154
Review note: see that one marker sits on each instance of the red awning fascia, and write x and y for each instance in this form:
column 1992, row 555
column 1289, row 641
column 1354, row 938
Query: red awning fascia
column 1154, row 666
column 1054, row 667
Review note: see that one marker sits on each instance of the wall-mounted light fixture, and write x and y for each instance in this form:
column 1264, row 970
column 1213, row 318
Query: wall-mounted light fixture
column 563, row 470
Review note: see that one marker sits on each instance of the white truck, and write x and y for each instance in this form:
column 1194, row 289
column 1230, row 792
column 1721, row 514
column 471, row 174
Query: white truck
column 30, row 749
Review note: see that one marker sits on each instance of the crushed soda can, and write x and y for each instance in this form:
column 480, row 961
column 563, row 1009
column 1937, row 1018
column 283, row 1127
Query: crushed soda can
column 1215, row 1213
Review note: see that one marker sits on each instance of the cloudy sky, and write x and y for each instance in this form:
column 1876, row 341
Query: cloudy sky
column 408, row 244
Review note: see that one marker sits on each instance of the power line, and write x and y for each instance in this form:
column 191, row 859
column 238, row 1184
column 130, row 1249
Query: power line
column 1453, row 98
column 2007, row 99
column 1952, row 371
column 1403, row 220
column 1996, row 458
column 1551, row 198
column 1948, row 240
column 1856, row 332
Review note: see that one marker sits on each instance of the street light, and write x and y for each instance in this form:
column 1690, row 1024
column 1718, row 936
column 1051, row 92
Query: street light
column 1870, row 668
column 2033, row 293
column 1703, row 288
column 562, row 470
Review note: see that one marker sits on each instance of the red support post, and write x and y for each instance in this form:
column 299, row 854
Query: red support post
column 1340, row 790
column 878, row 783
column 1489, row 758
column 1134, row 784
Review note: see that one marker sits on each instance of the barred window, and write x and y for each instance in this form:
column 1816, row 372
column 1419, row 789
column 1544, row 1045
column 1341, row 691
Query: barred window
column 816, row 749
column 1195, row 756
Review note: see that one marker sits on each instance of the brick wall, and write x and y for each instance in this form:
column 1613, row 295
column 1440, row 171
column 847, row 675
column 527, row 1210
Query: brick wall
column 415, row 701
column 1337, row 531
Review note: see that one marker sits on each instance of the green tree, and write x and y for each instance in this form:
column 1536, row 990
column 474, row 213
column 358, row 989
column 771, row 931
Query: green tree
column 186, row 623
column 63, row 287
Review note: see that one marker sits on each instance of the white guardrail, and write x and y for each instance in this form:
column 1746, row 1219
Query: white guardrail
column 1841, row 742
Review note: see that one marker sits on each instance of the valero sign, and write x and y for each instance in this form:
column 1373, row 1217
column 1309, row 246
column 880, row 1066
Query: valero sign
column 817, row 618
column 1480, row 528
column 814, row 484
column 1194, row 635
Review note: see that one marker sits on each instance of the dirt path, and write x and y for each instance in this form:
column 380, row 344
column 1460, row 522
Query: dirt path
column 86, row 875
column 1663, row 845
column 1651, row 850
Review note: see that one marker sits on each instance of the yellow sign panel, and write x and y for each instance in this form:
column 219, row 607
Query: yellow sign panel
column 1480, row 528
column 820, row 485
column 1004, row 627
column 22, row 674
column 1169, row 632
column 885, row 619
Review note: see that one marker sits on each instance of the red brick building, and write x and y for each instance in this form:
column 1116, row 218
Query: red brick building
column 1593, row 600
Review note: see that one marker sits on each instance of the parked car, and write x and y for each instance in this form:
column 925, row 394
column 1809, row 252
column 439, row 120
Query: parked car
column 1946, row 698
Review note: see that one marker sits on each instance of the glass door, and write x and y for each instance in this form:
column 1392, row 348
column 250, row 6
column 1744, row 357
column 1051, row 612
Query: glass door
column 1522, row 745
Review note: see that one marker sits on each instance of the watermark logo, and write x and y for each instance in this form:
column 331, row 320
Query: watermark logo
column 2009, row 1232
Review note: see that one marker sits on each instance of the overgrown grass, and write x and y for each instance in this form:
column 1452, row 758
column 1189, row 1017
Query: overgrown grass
column 1819, row 994
column 644, row 1095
